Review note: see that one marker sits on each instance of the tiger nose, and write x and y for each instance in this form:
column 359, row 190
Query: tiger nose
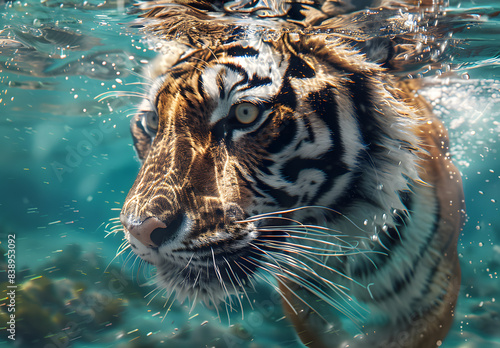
column 152, row 232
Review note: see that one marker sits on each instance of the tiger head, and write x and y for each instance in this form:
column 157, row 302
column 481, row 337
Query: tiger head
column 242, row 138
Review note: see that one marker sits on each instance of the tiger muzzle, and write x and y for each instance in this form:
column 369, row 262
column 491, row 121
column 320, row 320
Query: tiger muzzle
column 154, row 232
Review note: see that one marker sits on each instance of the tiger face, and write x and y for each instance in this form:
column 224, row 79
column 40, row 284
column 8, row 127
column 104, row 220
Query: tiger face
column 246, row 136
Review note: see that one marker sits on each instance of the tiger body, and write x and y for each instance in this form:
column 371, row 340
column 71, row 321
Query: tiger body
column 298, row 158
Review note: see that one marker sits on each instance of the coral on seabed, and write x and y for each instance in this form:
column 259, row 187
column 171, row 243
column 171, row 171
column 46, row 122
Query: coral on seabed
column 69, row 297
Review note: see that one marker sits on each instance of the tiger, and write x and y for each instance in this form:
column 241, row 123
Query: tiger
column 298, row 161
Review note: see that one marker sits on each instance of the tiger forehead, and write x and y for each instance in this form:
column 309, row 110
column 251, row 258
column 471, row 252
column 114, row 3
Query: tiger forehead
column 254, row 77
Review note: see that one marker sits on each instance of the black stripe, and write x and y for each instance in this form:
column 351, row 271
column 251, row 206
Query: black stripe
column 311, row 138
column 257, row 81
column 247, row 183
column 187, row 93
column 288, row 128
column 286, row 134
column 176, row 73
column 391, row 240
column 324, row 104
column 286, row 96
column 219, row 80
column 293, row 167
column 201, row 89
column 240, row 71
column 264, row 168
column 371, row 133
column 240, row 51
column 362, row 99
column 403, row 282
column 283, row 199
column 418, row 302
column 325, row 107
column 298, row 68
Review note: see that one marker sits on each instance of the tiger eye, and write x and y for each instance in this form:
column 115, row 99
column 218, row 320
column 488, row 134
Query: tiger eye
column 246, row 113
column 152, row 120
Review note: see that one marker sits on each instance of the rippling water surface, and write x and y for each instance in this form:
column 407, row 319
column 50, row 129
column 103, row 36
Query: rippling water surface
column 67, row 162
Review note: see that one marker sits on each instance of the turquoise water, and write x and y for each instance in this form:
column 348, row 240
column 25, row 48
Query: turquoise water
column 67, row 163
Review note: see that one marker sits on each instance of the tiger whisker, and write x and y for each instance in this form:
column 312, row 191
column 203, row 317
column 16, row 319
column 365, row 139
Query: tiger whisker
column 292, row 210
column 247, row 274
column 242, row 287
column 194, row 302
column 307, row 229
column 197, row 68
column 311, row 287
column 196, row 279
column 278, row 290
column 227, row 310
column 139, row 268
column 219, row 277
column 119, row 94
column 187, row 264
column 142, row 77
column 308, row 269
column 121, row 249
column 131, row 256
column 169, row 307
column 125, row 245
column 201, row 60
column 118, row 253
column 282, row 282
column 133, row 111
column 235, row 290
column 185, row 280
column 168, row 294
column 215, row 306
column 286, row 211
column 314, row 244
column 137, row 263
column 158, row 290
column 331, row 244
column 113, row 231
column 213, row 54
column 317, row 230
column 270, row 283
column 149, row 276
column 286, row 246
column 117, row 226
column 113, row 223
column 265, row 252
column 327, row 246
column 253, row 219
column 141, row 83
